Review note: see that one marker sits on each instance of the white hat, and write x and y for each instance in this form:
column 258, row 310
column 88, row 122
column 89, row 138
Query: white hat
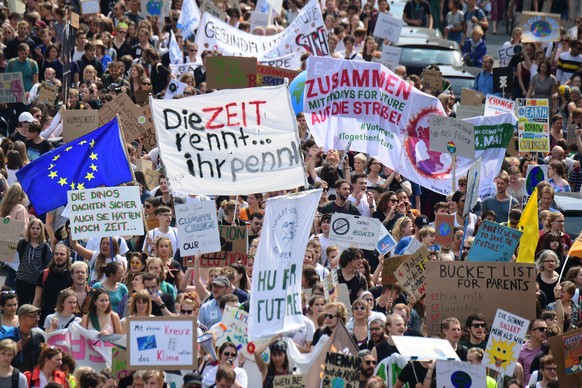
column 25, row 117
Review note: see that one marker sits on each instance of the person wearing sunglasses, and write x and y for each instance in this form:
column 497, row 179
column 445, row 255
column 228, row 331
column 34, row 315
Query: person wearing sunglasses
column 529, row 350
column 359, row 322
column 475, row 332
column 368, row 365
column 332, row 314
column 227, row 354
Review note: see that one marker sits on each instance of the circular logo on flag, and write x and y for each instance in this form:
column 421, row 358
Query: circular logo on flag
column 540, row 29
column 452, row 147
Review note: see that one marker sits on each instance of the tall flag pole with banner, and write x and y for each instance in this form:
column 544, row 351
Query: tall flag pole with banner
column 528, row 223
column 276, row 303
column 96, row 159
column 189, row 18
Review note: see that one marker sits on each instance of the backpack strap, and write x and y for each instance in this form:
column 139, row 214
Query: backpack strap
column 45, row 273
column 15, row 377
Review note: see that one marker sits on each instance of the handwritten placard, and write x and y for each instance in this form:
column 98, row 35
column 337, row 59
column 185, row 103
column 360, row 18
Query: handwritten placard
column 290, row 381
column 424, row 349
column 497, row 105
column 389, row 266
column 77, row 123
column 270, row 76
column 10, row 232
column 151, row 175
column 410, row 274
column 471, row 97
column 505, row 339
column 540, row 27
column 341, row 370
column 453, row 136
column 197, row 228
column 388, row 27
column 460, row 374
column 47, row 93
column 533, row 124
column 494, row 242
column 354, row 231
column 390, row 56
column 233, row 248
column 89, row 7
column 433, row 80
column 134, row 121
column 11, row 87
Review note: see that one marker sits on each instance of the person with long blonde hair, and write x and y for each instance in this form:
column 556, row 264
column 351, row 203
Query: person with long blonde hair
column 97, row 260
column 33, row 255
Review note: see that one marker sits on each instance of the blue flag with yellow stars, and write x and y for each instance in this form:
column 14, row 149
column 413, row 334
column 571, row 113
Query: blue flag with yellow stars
column 93, row 160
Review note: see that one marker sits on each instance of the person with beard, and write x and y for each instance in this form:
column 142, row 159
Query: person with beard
column 377, row 333
column 255, row 226
column 451, row 329
column 52, row 280
column 476, row 328
column 80, row 272
column 367, row 367
column 341, row 203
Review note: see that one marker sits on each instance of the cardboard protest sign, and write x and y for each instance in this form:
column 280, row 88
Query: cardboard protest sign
column 168, row 343
column 347, row 230
column 497, row 105
column 89, row 7
column 424, row 349
column 242, row 72
column 233, row 248
column 197, row 228
column 134, row 122
column 503, row 81
column 11, row 88
column 460, row 374
column 290, row 381
column 330, row 282
column 444, row 225
column 75, row 20
column 276, row 303
column 230, row 142
column 411, row 273
column 470, row 97
column 533, row 125
column 433, row 80
column 149, row 141
column 508, row 52
column 388, row 27
column 271, row 76
column 494, row 243
column 540, row 27
column 77, row 123
column 10, row 232
column 389, row 266
column 342, row 369
column 385, row 241
column 572, row 353
column 105, row 212
column 151, row 175
column 453, row 136
column 567, row 352
column 390, row 57
column 47, row 93
column 459, row 289
column 505, row 339
column 119, row 363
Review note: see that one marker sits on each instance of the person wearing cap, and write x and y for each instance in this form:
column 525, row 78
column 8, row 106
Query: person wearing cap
column 29, row 342
column 192, row 380
column 279, row 364
column 21, row 132
column 210, row 310
column 419, row 223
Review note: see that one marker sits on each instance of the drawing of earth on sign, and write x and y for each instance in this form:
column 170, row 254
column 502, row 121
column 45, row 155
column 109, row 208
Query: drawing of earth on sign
column 540, row 28
column 444, row 229
column 154, row 7
column 428, row 164
column 535, row 176
column 461, row 379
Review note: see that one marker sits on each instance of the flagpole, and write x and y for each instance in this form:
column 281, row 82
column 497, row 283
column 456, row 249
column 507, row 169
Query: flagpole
column 563, row 268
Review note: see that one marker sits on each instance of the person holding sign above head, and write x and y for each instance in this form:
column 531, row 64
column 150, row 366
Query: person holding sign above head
column 97, row 260
column 279, row 364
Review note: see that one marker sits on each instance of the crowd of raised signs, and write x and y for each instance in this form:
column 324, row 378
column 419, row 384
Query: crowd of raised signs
column 54, row 281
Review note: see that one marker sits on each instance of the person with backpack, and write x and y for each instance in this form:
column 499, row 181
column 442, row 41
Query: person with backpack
column 48, row 371
column 29, row 342
column 10, row 376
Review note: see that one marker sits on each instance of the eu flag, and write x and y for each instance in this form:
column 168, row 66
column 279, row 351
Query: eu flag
column 93, row 160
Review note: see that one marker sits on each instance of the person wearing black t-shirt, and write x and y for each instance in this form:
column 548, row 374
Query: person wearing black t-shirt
column 350, row 262
column 35, row 144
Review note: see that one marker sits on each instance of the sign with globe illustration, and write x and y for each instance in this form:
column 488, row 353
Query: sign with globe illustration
column 540, row 27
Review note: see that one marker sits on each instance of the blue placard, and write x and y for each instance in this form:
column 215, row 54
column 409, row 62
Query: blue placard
column 494, row 242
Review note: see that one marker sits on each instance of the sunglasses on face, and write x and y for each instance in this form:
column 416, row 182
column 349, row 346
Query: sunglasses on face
column 479, row 325
column 330, row 316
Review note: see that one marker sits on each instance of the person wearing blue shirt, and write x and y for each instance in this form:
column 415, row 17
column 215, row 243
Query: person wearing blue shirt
column 484, row 80
column 210, row 311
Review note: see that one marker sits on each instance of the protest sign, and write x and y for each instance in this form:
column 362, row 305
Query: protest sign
column 10, row 232
column 572, row 353
column 470, row 97
column 47, row 93
column 503, row 81
column 432, row 80
column 142, row 97
column 230, row 142
column 459, row 289
column 413, row 246
column 347, row 230
column 75, row 20
column 453, row 136
column 197, row 228
column 390, row 56
column 259, row 19
column 119, row 363
column 208, row 7
column 77, row 123
column 233, row 248
column 271, row 76
column 105, row 212
column 290, row 381
column 466, row 111
column 444, row 225
column 424, row 348
column 152, row 7
column 497, row 105
column 168, row 343
column 505, row 339
column 183, row 68
column 330, row 282
column 460, row 374
column 18, row 6
column 494, row 243
column 151, row 175
column 11, row 88
column 148, row 141
column 90, row 7
column 175, row 88
column 341, row 370
column 508, row 52
column 411, row 273
column 276, row 303
column 134, row 121
column 388, row 27
column 306, row 33
column 242, row 72
column 567, row 353
column 540, row 27
column 473, row 183
column 389, row 266
column 533, row 126
column 385, row 241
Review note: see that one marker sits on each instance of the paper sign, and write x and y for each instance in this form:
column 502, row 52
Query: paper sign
column 151, row 175
column 197, row 228
column 259, row 19
column 388, row 27
column 460, row 374
column 533, row 124
column 390, row 264
column 540, row 27
column 105, row 212
column 75, row 20
column 471, row 97
column 494, row 242
column 183, row 68
column 152, row 7
column 390, row 56
column 573, row 33
column 453, row 136
column 341, row 370
column 466, row 111
column 77, row 123
column 270, row 76
column 134, row 122
column 119, row 363
column 11, row 87
column 496, row 105
column 505, row 340
column 386, row 242
column 290, row 381
column 472, row 192
column 330, row 282
column 459, row 289
column 18, row 6
column 412, row 246
column 175, row 88
column 424, row 349
column 432, row 80
column 354, row 231
column 167, row 343
column 47, row 93
column 242, row 72
column 89, row 7
column 10, row 232
column 444, row 225
column 208, row 6
column 506, row 53
column 411, row 273
column 233, row 248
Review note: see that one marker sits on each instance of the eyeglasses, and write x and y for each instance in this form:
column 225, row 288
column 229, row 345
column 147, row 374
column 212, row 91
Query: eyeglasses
column 551, row 369
column 146, row 83
column 229, row 354
column 370, row 362
column 359, row 308
column 376, row 329
column 462, row 184
column 393, row 200
column 542, row 329
column 479, row 325
column 330, row 316
column 122, row 32
column 147, row 206
column 186, row 312
column 9, row 292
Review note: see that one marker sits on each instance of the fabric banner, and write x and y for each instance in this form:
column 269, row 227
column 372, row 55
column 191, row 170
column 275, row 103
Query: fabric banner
column 230, row 142
column 370, row 107
column 305, row 34
column 276, row 303
column 189, row 18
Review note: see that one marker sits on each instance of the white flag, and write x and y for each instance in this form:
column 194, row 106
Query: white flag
column 189, row 18
column 276, row 303
column 175, row 50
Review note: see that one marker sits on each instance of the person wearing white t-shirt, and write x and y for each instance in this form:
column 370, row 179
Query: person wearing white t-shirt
column 164, row 215
column 309, row 259
column 360, row 197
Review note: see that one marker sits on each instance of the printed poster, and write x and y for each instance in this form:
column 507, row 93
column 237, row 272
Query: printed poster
column 533, row 126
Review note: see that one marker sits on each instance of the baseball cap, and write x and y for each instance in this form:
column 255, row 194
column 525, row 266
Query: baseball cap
column 27, row 309
column 221, row 281
column 25, row 117
column 421, row 221
column 279, row 346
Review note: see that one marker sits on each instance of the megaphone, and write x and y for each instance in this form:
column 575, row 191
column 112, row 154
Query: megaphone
column 206, row 343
